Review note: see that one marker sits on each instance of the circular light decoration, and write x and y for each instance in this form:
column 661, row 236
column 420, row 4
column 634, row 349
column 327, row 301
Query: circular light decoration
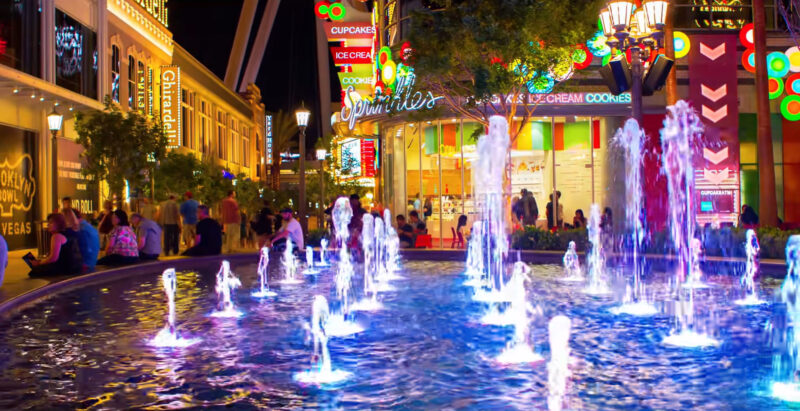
column 597, row 45
column 384, row 55
column 403, row 70
column 521, row 71
column 793, row 85
column 321, row 9
column 793, row 53
column 775, row 88
column 336, row 11
column 749, row 60
column 541, row 84
column 581, row 57
column 790, row 108
column 389, row 73
column 746, row 36
column 682, row 44
column 777, row 64
column 562, row 71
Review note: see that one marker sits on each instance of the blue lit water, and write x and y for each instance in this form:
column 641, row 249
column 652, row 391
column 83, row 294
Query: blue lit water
column 88, row 349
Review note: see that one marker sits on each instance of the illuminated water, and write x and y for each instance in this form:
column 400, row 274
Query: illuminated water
column 425, row 350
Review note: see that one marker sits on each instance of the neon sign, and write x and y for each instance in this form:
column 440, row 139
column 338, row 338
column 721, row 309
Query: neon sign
column 171, row 104
column 268, row 139
column 404, row 99
column 351, row 55
column 349, row 30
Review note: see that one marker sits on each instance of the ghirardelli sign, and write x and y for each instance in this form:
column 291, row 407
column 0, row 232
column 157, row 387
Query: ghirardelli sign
column 17, row 185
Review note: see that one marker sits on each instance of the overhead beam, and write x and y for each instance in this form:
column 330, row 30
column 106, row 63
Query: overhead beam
column 240, row 43
column 260, row 44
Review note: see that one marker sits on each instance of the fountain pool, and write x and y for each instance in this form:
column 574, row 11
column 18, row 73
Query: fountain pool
column 426, row 350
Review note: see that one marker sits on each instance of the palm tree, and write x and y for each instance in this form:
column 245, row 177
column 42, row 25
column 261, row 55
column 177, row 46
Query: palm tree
column 284, row 129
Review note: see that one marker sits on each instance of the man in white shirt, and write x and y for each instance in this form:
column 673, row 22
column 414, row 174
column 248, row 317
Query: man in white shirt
column 291, row 229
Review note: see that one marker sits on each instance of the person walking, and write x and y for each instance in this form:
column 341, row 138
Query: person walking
column 148, row 234
column 189, row 213
column 209, row 235
column 169, row 217
column 231, row 222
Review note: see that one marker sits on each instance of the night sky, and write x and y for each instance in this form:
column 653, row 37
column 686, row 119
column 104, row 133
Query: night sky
column 288, row 73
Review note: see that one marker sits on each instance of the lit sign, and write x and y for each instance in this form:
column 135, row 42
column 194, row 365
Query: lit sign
column 346, row 31
column 268, row 139
column 156, row 8
column 721, row 14
column 368, row 158
column 351, row 55
column 141, row 88
column 351, row 157
column 404, row 99
column 569, row 99
column 3, row 46
column 17, row 185
column 149, row 90
column 171, row 104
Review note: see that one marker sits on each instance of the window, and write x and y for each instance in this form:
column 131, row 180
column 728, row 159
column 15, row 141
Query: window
column 205, row 126
column 233, row 146
column 245, row 146
column 131, row 82
column 141, row 88
column 221, row 134
column 20, row 31
column 76, row 56
column 115, row 73
column 187, row 118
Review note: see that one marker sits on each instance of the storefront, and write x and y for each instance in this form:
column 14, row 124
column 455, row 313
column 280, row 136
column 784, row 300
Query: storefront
column 565, row 148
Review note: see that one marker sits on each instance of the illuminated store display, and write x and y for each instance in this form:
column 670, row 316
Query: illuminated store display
column 76, row 56
column 171, row 104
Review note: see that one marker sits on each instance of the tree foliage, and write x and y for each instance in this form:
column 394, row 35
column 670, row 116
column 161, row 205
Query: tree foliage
column 284, row 130
column 176, row 174
column 474, row 51
column 119, row 146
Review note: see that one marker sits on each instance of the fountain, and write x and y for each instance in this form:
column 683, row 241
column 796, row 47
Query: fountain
column 226, row 283
column 368, row 240
column 289, row 265
column 787, row 386
column 321, row 371
column 263, row 272
column 488, row 175
column 383, row 272
column 557, row 371
column 596, row 258
column 323, row 247
column 631, row 138
column 392, row 246
column 572, row 265
column 474, row 271
column 682, row 130
column 310, row 269
column 169, row 336
column 751, row 269
column 338, row 324
column 519, row 350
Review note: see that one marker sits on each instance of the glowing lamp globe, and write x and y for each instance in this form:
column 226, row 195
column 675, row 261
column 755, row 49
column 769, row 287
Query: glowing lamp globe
column 302, row 115
column 605, row 22
column 620, row 13
column 321, row 153
column 54, row 120
column 656, row 13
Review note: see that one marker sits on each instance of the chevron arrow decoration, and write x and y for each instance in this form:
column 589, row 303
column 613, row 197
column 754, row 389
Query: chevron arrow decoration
column 714, row 95
column 715, row 158
column 715, row 115
column 714, row 53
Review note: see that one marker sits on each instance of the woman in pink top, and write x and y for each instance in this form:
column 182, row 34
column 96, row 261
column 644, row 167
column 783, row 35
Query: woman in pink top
column 122, row 245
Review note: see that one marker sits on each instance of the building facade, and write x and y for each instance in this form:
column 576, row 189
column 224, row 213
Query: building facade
column 567, row 146
column 67, row 55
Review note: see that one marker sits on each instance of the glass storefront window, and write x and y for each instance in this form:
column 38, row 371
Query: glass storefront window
column 413, row 166
column 76, row 56
column 115, row 73
column 20, row 36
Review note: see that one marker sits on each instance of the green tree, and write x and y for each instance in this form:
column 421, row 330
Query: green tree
column 248, row 193
column 176, row 174
column 284, row 130
column 480, row 55
column 119, row 146
column 212, row 186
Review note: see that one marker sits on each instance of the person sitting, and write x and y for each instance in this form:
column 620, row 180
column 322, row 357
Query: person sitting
column 460, row 235
column 263, row 226
column 122, row 248
column 208, row 240
column 748, row 218
column 419, row 225
column 65, row 255
column 405, row 232
column 291, row 230
column 88, row 237
column 579, row 221
column 149, row 235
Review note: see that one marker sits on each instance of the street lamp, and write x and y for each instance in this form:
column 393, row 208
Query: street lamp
column 625, row 33
column 54, row 121
column 321, row 154
column 303, row 116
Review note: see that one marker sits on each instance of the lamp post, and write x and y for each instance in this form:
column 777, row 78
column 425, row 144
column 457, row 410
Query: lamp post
column 302, row 115
column 54, row 121
column 635, row 35
column 321, row 154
